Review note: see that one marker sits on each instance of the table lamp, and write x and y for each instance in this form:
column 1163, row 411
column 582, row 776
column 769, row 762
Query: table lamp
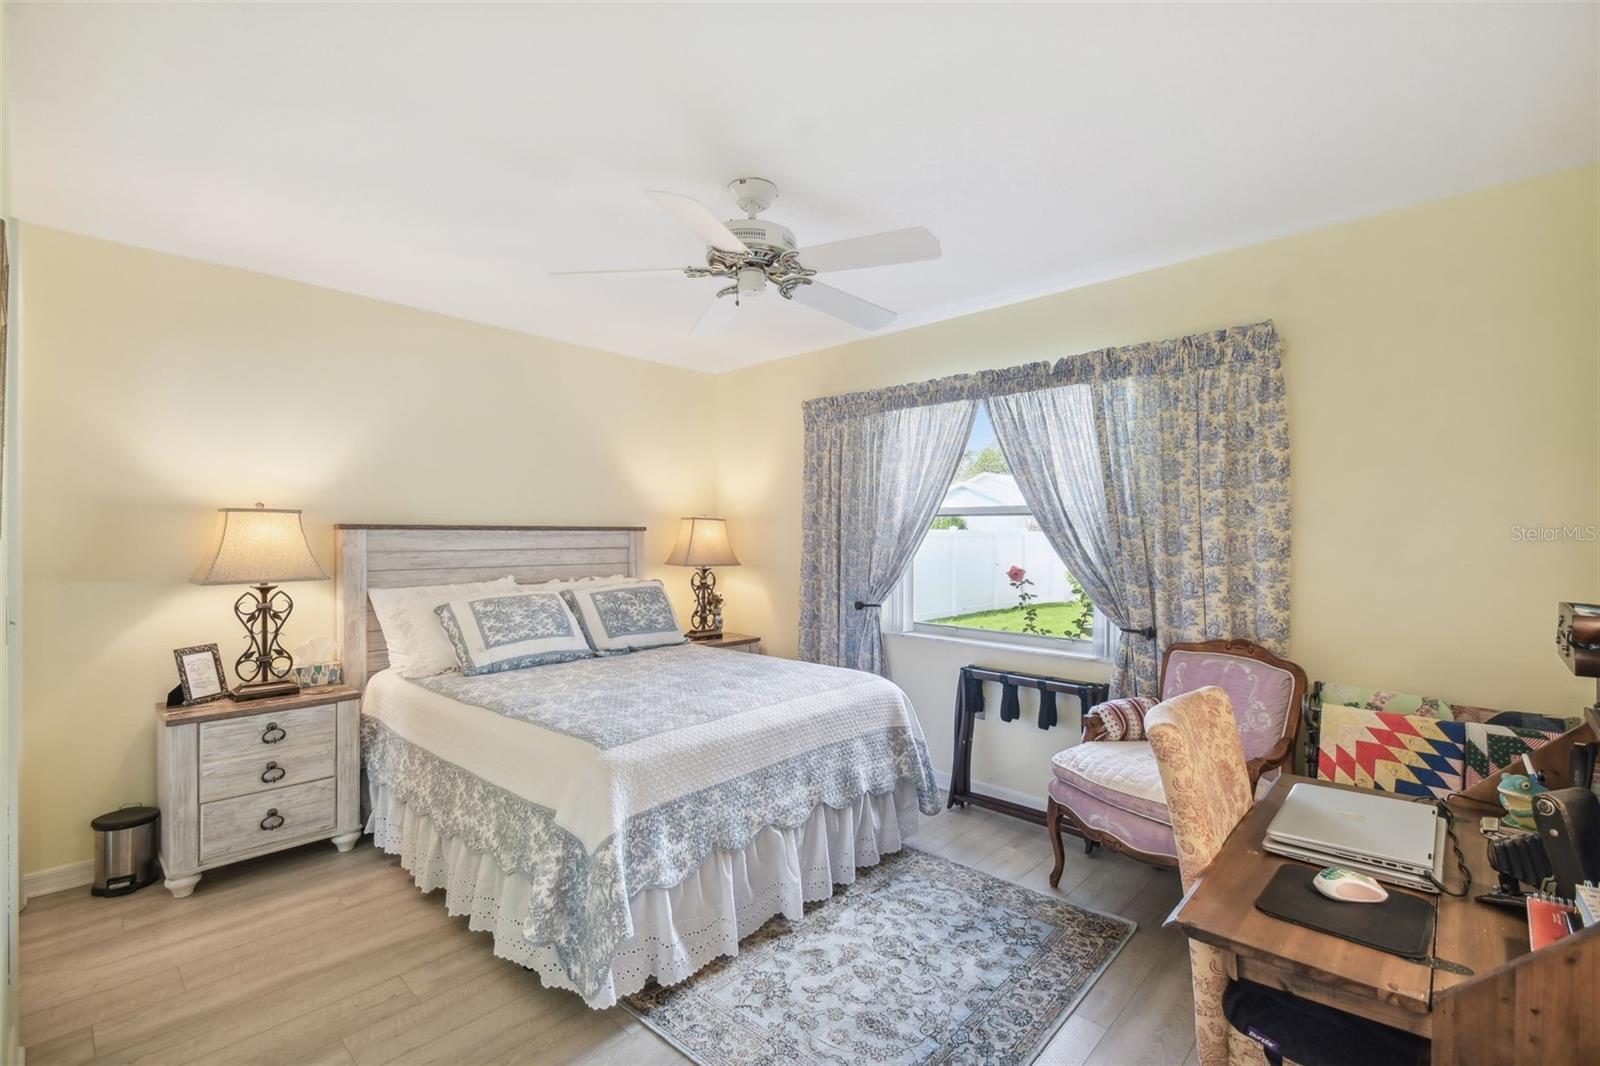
column 702, row 544
column 264, row 547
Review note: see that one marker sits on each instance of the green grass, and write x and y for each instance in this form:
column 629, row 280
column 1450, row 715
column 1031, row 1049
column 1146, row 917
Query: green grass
column 1071, row 620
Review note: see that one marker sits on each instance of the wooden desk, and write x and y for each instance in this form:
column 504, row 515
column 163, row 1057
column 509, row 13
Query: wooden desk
column 1361, row 980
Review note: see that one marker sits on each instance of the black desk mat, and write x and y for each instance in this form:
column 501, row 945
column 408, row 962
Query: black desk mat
column 1400, row 925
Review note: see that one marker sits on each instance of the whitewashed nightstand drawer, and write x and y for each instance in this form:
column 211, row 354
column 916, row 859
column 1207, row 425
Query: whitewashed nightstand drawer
column 244, row 775
column 246, row 823
column 239, row 779
column 273, row 731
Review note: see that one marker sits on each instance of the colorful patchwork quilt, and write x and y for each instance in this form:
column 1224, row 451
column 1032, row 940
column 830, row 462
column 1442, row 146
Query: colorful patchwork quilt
column 1420, row 744
column 1494, row 747
column 1402, row 753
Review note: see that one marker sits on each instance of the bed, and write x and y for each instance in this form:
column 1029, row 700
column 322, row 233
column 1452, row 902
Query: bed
column 613, row 820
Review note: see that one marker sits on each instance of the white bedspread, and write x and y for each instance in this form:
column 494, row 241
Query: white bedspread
column 603, row 778
column 742, row 722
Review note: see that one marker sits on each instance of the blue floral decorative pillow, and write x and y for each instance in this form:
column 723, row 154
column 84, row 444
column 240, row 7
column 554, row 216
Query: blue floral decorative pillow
column 625, row 617
column 510, row 632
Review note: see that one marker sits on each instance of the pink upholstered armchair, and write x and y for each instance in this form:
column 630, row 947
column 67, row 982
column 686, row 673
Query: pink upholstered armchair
column 1108, row 789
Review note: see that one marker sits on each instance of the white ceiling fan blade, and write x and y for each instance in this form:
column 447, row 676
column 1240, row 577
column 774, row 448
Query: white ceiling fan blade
column 841, row 305
column 716, row 318
column 881, row 249
column 693, row 214
column 636, row 270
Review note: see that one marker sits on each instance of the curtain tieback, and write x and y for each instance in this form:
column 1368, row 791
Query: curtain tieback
column 1148, row 632
column 861, row 606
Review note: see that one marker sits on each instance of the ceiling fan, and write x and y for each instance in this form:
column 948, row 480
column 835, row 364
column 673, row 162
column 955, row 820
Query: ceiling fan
column 753, row 253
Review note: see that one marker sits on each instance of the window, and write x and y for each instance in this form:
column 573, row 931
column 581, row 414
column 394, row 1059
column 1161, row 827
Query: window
column 965, row 580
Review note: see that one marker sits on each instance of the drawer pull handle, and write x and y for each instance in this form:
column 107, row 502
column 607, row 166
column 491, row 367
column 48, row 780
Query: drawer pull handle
column 272, row 773
column 274, row 733
column 273, row 819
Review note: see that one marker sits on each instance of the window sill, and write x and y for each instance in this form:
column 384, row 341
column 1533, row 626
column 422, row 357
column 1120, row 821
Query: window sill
column 1001, row 645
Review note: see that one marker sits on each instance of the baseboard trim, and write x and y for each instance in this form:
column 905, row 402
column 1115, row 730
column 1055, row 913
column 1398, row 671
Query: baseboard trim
column 57, row 879
column 1011, row 795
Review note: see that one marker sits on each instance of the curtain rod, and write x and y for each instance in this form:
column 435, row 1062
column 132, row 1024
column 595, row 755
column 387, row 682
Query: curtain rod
column 1254, row 342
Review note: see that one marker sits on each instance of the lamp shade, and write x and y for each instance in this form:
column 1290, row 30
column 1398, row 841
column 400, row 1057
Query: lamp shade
column 259, row 545
column 702, row 542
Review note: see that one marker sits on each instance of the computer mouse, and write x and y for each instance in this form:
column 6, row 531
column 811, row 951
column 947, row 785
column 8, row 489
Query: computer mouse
column 1347, row 886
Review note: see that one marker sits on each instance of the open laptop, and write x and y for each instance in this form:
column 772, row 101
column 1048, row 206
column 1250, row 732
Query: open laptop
column 1385, row 837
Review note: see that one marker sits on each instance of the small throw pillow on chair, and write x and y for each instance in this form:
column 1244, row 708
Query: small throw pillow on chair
column 1124, row 719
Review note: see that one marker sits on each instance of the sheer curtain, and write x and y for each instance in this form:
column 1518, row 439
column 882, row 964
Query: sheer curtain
column 873, row 481
column 1160, row 474
column 1052, row 441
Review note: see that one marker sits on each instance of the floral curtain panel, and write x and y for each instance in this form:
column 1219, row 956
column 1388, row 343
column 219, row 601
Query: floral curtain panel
column 1053, row 443
column 873, row 482
column 1159, row 472
column 1161, row 477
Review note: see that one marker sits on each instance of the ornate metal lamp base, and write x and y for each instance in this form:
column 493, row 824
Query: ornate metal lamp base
column 704, row 624
column 264, row 665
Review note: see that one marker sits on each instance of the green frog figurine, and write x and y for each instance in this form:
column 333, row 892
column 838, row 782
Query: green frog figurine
column 1516, row 796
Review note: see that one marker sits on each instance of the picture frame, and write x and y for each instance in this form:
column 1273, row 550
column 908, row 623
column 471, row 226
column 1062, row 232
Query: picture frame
column 200, row 674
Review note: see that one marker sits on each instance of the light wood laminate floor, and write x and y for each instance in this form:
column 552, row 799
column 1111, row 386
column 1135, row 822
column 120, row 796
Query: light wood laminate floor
column 315, row 957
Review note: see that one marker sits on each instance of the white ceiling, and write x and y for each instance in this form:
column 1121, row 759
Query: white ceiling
column 450, row 156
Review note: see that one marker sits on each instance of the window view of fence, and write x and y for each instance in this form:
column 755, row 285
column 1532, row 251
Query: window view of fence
column 985, row 564
column 964, row 577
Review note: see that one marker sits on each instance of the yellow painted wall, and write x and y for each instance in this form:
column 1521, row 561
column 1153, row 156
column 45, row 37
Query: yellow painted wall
column 159, row 389
column 1443, row 368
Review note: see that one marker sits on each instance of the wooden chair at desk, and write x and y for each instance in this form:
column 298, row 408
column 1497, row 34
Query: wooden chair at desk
column 1203, row 773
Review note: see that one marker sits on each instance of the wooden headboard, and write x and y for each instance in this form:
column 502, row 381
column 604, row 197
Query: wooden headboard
column 399, row 556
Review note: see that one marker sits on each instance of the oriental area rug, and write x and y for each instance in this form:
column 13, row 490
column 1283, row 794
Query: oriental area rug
column 921, row 960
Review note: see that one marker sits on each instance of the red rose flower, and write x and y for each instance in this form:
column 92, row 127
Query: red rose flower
column 1016, row 573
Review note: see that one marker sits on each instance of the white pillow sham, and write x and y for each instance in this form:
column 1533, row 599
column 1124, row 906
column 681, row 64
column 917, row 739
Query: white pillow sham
column 511, row 631
column 418, row 646
column 568, row 582
column 625, row 616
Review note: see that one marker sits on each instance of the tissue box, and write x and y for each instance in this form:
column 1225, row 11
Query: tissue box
column 317, row 663
column 316, row 675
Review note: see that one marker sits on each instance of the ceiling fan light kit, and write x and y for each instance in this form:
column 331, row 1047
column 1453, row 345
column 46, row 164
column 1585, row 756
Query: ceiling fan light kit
column 752, row 253
column 752, row 280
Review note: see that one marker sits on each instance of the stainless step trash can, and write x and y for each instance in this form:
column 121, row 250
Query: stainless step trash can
column 125, row 850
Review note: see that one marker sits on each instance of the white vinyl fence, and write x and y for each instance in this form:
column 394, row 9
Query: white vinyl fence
column 958, row 571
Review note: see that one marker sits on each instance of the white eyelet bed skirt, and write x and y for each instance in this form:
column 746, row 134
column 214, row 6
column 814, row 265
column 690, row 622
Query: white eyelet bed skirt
column 676, row 930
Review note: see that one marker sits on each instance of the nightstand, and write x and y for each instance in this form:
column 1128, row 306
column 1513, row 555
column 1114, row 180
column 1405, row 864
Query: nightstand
column 237, row 780
column 734, row 642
